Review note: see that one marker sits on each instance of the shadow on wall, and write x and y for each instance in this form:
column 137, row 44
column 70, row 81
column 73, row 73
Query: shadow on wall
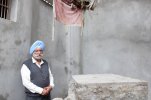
column 3, row 97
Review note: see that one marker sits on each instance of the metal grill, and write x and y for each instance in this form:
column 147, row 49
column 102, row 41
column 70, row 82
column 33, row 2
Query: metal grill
column 4, row 8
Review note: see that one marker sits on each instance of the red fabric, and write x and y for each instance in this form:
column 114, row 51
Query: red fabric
column 65, row 14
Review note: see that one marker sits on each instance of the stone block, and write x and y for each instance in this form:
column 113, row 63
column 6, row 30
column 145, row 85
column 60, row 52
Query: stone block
column 106, row 87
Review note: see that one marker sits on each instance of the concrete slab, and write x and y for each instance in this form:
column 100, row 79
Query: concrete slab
column 107, row 87
column 104, row 78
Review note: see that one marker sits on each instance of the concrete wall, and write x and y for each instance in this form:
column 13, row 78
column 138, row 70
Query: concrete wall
column 63, row 53
column 56, row 51
column 14, row 45
column 117, row 39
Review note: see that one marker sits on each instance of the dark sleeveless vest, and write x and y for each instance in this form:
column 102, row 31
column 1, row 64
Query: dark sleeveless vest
column 38, row 76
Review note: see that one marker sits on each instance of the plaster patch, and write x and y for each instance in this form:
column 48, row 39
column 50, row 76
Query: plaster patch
column 18, row 42
column 1, row 50
column 3, row 97
column 66, row 70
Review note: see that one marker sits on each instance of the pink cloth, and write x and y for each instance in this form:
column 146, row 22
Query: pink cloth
column 68, row 16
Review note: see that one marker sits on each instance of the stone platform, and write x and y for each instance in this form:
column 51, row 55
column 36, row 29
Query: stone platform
column 106, row 87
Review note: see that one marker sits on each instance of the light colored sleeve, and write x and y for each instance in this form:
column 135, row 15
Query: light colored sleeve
column 51, row 78
column 25, row 74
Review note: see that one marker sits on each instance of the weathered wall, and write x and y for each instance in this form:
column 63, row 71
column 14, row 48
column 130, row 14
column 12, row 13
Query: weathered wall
column 63, row 53
column 55, row 50
column 14, row 45
column 117, row 39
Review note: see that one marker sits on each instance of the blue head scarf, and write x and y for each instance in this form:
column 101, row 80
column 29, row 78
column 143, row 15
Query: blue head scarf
column 37, row 44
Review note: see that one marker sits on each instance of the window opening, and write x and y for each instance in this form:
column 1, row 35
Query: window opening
column 4, row 9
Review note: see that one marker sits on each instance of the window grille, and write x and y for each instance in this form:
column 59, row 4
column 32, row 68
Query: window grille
column 4, row 9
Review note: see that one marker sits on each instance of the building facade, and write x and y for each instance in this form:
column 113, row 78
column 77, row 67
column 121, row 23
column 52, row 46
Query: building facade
column 115, row 39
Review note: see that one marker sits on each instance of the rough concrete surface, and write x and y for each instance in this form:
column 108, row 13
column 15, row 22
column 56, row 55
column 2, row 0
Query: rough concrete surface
column 107, row 87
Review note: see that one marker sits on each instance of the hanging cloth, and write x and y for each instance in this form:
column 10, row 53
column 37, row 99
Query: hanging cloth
column 67, row 14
